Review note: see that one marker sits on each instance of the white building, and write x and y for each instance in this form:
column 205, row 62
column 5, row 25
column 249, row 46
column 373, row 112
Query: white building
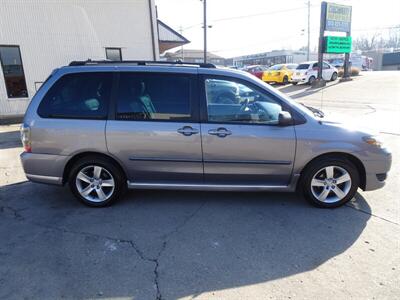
column 273, row 57
column 37, row 36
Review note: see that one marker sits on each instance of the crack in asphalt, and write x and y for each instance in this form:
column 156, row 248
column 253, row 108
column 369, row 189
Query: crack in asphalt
column 131, row 243
column 372, row 108
column 390, row 133
column 371, row 214
column 14, row 211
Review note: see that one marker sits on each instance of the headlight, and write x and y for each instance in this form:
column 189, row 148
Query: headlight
column 373, row 140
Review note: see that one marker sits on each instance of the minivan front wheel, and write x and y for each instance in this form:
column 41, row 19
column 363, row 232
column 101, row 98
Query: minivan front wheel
column 330, row 182
column 96, row 181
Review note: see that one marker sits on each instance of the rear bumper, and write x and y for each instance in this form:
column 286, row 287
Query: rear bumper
column 278, row 79
column 44, row 168
column 376, row 172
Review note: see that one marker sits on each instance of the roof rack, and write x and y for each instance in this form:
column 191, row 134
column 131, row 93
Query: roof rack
column 139, row 63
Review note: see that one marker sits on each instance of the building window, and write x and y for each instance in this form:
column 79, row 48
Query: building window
column 114, row 54
column 14, row 77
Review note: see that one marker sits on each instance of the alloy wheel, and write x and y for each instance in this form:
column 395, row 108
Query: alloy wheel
column 331, row 184
column 95, row 183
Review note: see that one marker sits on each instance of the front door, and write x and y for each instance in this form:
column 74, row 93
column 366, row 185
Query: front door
column 155, row 132
column 242, row 141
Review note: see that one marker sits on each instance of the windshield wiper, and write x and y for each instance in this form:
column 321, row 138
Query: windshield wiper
column 317, row 112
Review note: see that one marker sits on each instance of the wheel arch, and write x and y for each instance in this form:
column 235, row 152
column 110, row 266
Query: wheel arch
column 81, row 155
column 356, row 161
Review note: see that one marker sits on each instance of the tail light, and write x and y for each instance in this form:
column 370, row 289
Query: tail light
column 26, row 137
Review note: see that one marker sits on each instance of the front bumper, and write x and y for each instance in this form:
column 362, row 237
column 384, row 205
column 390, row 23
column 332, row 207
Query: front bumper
column 299, row 79
column 376, row 172
column 44, row 168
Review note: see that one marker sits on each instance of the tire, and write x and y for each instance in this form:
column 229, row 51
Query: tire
column 311, row 80
column 294, row 83
column 100, row 190
column 334, row 76
column 323, row 190
column 285, row 80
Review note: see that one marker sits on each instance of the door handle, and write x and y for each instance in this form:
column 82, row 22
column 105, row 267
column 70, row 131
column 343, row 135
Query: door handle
column 220, row 132
column 187, row 130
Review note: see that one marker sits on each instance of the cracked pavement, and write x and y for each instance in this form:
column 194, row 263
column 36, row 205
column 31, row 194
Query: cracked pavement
column 208, row 245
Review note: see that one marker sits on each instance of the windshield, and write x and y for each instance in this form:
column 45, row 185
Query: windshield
column 276, row 67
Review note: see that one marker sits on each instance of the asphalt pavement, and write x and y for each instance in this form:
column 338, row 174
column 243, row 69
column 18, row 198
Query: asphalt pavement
column 209, row 245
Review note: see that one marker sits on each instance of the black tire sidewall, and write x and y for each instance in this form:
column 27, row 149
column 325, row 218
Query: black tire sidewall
column 334, row 76
column 318, row 165
column 311, row 79
column 104, row 163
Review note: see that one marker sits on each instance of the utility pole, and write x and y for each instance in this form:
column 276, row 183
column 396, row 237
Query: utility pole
column 320, row 82
column 308, row 31
column 181, row 32
column 205, row 29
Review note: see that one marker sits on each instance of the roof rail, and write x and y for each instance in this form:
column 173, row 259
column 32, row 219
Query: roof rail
column 90, row 62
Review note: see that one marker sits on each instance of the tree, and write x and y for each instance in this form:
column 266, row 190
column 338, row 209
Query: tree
column 378, row 40
column 366, row 43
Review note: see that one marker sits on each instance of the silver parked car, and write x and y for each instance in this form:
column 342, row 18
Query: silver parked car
column 104, row 126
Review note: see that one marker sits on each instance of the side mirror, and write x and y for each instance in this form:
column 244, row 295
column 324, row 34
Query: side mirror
column 285, row 118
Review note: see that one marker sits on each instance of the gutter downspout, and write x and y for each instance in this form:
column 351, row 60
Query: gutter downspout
column 152, row 29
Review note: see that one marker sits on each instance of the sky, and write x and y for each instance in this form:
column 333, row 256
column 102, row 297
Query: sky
column 241, row 27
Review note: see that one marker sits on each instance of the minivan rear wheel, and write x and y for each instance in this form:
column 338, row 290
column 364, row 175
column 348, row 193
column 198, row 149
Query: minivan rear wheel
column 330, row 182
column 96, row 181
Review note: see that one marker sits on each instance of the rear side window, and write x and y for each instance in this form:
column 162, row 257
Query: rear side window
column 78, row 96
column 154, row 96
column 302, row 66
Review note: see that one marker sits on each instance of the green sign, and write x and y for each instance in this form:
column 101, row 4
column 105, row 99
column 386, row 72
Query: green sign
column 338, row 17
column 337, row 44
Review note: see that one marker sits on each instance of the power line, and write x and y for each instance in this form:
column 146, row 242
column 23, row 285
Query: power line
column 249, row 16
column 377, row 28
column 258, row 44
column 259, row 14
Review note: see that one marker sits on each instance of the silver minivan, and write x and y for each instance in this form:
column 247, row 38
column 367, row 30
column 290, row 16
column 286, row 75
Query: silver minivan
column 103, row 126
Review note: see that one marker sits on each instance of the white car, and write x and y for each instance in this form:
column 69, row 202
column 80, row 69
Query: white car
column 307, row 72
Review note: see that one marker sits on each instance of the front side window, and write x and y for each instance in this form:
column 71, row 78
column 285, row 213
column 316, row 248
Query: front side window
column 13, row 71
column 79, row 95
column 229, row 101
column 163, row 97
column 114, row 54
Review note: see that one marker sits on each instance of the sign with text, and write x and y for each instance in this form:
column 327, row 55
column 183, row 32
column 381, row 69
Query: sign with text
column 337, row 44
column 338, row 17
